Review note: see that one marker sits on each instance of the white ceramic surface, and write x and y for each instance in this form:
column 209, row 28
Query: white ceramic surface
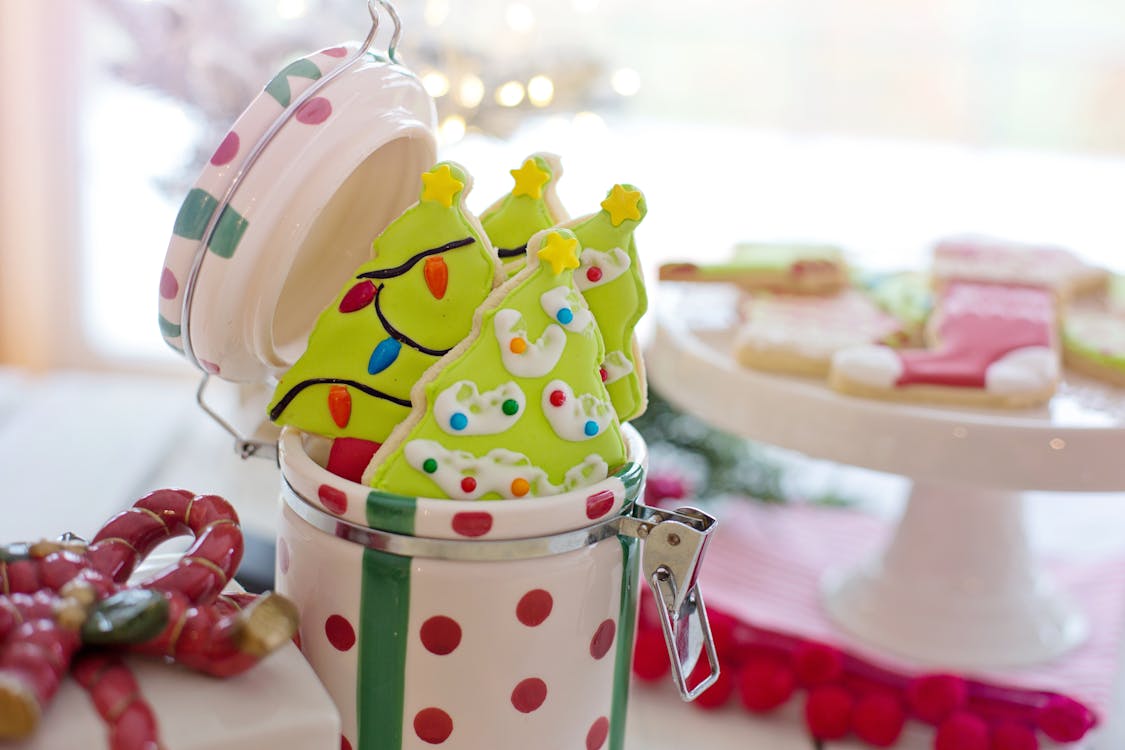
column 958, row 584
column 334, row 175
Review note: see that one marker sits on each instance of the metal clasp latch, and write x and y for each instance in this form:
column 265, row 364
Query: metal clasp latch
column 674, row 542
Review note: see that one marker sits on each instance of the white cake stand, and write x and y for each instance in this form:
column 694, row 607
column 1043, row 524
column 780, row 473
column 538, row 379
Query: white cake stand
column 957, row 585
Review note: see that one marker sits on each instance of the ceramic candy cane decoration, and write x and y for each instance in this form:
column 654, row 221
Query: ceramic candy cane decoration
column 800, row 333
column 612, row 281
column 519, row 409
column 993, row 345
column 58, row 597
column 400, row 312
column 530, row 207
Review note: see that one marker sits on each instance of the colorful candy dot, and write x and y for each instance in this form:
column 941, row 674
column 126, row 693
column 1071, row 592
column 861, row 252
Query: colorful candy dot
column 169, row 287
column 383, row 356
column 603, row 374
column 340, row 405
column 429, row 465
column 529, row 695
column 333, row 498
column 340, row 632
column 517, row 345
column 433, row 726
column 590, row 428
column 520, row 487
column 603, row 639
column 534, row 607
column 557, row 398
column 510, row 406
column 472, row 523
column 468, row 484
column 565, row 316
column 358, row 297
column 598, row 733
column 314, row 111
column 593, row 274
column 459, row 422
column 440, row 635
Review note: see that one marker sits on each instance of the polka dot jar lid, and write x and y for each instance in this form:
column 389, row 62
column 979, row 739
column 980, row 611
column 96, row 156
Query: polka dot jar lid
column 326, row 156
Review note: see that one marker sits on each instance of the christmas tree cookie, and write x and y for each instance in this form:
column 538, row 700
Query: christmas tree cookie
column 403, row 310
column 519, row 408
column 530, row 207
column 612, row 281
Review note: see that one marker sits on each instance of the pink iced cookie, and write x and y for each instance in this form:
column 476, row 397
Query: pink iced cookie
column 994, row 346
column 800, row 333
column 999, row 262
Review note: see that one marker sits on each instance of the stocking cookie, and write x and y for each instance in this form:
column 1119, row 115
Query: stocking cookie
column 500, row 418
column 1094, row 343
column 530, row 207
column 998, row 262
column 800, row 333
column 400, row 312
column 993, row 345
column 790, row 268
column 612, row 281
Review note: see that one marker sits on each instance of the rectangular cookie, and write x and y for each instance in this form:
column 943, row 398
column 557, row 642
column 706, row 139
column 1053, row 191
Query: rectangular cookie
column 788, row 268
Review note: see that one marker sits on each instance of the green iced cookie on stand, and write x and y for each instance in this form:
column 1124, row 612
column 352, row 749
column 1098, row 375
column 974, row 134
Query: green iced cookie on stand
column 530, row 207
column 400, row 312
column 611, row 279
column 519, row 408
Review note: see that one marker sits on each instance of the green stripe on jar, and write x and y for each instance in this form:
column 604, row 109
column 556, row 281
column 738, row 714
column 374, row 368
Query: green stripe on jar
column 627, row 624
column 384, row 615
column 391, row 512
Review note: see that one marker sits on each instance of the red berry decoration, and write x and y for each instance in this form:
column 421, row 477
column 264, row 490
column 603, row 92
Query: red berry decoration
column 558, row 398
column 719, row 693
column 650, row 656
column 962, row 731
column 766, row 683
column 935, row 697
column 593, row 274
column 817, row 664
column 1011, row 736
column 1064, row 720
column 879, row 718
column 828, row 712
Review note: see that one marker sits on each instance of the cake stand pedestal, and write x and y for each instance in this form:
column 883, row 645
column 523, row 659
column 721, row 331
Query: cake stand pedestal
column 957, row 585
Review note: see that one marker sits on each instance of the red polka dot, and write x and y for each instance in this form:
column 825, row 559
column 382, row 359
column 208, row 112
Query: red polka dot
column 340, row 632
column 594, row 274
column 334, row 51
column 333, row 498
column 529, row 695
column 558, row 398
column 468, row 484
column 472, row 523
column 169, row 287
column 534, row 607
column 282, row 555
column 344, row 744
column 603, row 639
column 440, row 635
column 596, row 737
column 598, row 504
column 314, row 111
column 433, row 725
column 227, row 150
column 210, row 367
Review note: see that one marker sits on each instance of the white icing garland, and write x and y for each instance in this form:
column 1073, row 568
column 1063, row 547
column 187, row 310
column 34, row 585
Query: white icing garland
column 538, row 357
column 617, row 366
column 612, row 264
column 495, row 472
column 575, row 418
column 461, row 409
column 554, row 301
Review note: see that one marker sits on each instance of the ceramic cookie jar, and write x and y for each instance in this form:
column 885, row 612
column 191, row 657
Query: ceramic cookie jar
column 459, row 623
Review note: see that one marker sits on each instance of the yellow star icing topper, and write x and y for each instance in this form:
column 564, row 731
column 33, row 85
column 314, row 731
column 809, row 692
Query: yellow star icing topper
column 560, row 251
column 439, row 185
column 530, row 179
column 622, row 204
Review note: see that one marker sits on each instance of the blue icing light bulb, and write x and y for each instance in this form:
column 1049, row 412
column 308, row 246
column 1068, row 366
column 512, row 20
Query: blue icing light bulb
column 591, row 428
column 458, row 421
column 565, row 315
column 383, row 356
